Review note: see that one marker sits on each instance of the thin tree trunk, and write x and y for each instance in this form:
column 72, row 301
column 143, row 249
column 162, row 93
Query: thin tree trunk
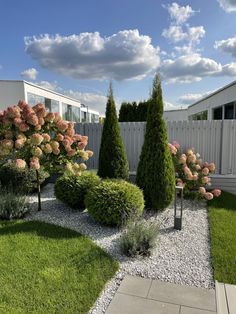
column 39, row 192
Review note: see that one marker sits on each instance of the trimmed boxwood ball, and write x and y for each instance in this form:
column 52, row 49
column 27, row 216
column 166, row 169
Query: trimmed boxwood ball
column 71, row 189
column 114, row 202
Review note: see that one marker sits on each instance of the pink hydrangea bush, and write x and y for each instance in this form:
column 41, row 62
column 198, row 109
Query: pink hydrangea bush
column 36, row 138
column 192, row 173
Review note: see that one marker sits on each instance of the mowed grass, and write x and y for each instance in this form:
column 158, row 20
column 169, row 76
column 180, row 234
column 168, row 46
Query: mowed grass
column 49, row 269
column 222, row 218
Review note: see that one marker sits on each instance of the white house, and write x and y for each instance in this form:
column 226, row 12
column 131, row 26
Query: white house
column 70, row 109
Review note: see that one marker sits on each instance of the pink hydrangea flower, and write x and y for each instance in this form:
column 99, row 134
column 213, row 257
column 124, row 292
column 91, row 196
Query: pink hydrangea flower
column 90, row 153
column 23, row 127
column 205, row 180
column 176, row 145
column 46, row 137
column 216, row 192
column 36, row 139
column 56, row 151
column 13, row 112
column 34, row 163
column 32, row 119
column 55, row 145
column 20, row 164
column 47, row 148
column 211, row 167
column 202, row 190
column 82, row 166
column 50, row 117
column 71, row 152
column 60, row 137
column 62, row 125
column 205, row 171
column 19, row 143
column 208, row 196
column 37, row 152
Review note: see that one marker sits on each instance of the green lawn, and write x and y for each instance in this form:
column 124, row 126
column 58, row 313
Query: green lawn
column 222, row 218
column 49, row 269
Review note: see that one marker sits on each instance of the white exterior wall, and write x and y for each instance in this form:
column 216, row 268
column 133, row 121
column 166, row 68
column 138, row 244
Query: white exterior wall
column 176, row 115
column 222, row 97
column 10, row 93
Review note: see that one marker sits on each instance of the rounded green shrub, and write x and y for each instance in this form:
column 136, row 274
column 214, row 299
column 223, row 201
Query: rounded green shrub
column 71, row 189
column 20, row 180
column 114, row 202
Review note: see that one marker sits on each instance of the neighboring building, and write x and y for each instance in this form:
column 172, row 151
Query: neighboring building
column 70, row 109
column 176, row 115
column 219, row 105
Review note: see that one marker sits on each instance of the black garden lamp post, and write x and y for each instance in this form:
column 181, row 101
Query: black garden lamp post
column 179, row 211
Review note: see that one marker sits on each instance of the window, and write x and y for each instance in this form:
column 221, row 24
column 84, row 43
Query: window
column 218, row 113
column 230, row 111
column 66, row 112
column 75, row 114
column 34, row 99
column 199, row 116
column 83, row 116
column 94, row 118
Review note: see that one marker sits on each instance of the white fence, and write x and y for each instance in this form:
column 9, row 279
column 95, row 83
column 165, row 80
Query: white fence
column 214, row 140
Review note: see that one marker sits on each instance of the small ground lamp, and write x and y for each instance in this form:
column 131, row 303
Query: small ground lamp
column 178, row 211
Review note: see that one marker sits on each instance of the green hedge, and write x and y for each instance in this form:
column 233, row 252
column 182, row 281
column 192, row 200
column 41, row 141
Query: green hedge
column 71, row 189
column 114, row 202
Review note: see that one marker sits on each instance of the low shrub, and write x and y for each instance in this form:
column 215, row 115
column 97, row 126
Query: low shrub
column 139, row 238
column 12, row 205
column 20, row 180
column 71, row 189
column 114, row 202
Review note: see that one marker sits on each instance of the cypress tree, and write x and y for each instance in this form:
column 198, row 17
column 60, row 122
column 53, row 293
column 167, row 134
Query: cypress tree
column 123, row 112
column 155, row 173
column 113, row 161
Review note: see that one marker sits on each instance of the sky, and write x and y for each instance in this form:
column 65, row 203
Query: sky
column 77, row 47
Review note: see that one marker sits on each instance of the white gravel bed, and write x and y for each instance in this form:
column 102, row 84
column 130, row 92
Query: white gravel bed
column 181, row 257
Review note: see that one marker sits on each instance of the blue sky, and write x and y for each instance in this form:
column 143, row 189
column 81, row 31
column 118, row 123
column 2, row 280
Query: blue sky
column 76, row 47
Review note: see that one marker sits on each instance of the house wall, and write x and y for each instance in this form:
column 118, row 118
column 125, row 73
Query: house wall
column 10, row 93
column 176, row 115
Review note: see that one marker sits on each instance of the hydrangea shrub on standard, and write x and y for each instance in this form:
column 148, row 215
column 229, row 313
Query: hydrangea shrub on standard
column 192, row 173
column 114, row 202
column 39, row 139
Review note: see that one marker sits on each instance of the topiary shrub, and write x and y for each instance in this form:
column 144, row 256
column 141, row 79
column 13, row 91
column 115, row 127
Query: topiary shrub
column 20, row 180
column 71, row 189
column 139, row 238
column 12, row 205
column 113, row 161
column 155, row 173
column 114, row 202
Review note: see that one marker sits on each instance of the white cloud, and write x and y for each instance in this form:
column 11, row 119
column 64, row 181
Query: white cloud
column 189, row 99
column 30, row 74
column 179, row 14
column 94, row 101
column 228, row 5
column 49, row 85
column 170, row 106
column 176, row 34
column 189, row 68
column 229, row 69
column 125, row 55
column 227, row 45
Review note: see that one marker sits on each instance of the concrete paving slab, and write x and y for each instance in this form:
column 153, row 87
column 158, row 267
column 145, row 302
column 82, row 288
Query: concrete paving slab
column 190, row 310
column 221, row 302
column 136, row 286
column 231, row 298
column 127, row 304
column 183, row 295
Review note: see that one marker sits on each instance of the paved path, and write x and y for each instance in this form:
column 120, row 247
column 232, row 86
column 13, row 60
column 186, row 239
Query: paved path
column 146, row 296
